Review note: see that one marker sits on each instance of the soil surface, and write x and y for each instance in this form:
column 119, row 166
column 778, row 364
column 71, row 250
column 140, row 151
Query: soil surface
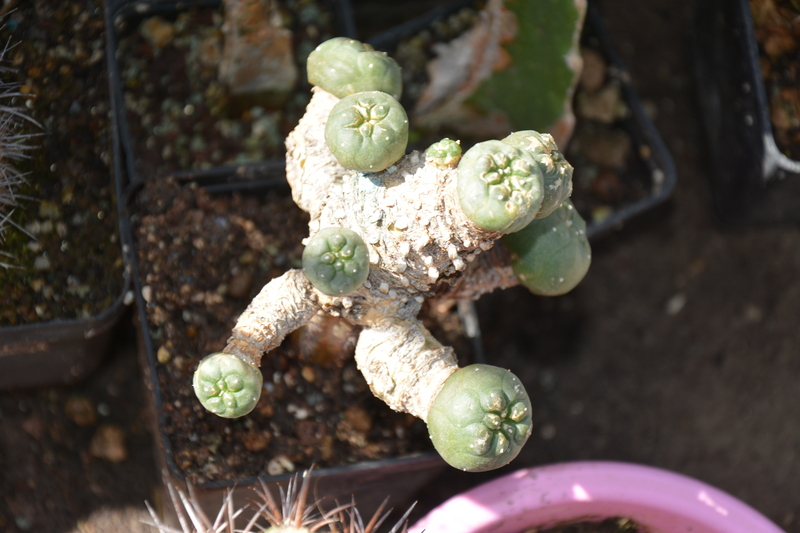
column 610, row 525
column 180, row 116
column 678, row 350
column 202, row 259
column 65, row 250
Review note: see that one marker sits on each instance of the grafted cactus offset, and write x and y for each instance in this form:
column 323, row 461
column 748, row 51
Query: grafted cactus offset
column 381, row 242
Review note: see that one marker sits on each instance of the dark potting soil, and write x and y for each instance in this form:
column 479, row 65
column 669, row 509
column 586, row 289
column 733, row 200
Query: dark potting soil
column 65, row 255
column 609, row 525
column 778, row 36
column 202, row 258
column 179, row 114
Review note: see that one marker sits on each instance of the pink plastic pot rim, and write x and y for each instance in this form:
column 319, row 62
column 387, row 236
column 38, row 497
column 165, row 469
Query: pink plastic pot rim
column 659, row 500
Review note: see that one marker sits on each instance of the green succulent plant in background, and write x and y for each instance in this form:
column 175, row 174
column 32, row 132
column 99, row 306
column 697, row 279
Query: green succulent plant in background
column 386, row 228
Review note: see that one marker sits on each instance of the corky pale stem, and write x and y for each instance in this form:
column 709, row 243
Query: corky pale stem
column 282, row 306
column 404, row 365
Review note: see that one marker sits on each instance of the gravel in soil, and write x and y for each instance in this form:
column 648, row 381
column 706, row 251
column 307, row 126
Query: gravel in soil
column 180, row 116
column 202, row 258
column 778, row 37
column 66, row 252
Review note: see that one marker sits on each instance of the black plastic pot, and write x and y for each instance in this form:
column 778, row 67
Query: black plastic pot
column 369, row 482
column 66, row 351
column 58, row 351
column 125, row 15
column 652, row 170
column 752, row 182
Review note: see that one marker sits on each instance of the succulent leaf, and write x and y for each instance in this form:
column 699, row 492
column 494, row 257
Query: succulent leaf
column 551, row 255
column 556, row 171
column 480, row 419
column 367, row 131
column 500, row 187
column 336, row 261
column 226, row 385
column 344, row 66
column 444, row 154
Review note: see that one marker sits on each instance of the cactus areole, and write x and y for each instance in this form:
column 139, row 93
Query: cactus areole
column 386, row 229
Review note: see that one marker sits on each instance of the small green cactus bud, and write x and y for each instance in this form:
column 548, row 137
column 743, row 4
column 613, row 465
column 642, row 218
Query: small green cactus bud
column 551, row 255
column 556, row 171
column 444, row 154
column 480, row 419
column 227, row 385
column 345, row 66
column 336, row 261
column 367, row 131
column 500, row 187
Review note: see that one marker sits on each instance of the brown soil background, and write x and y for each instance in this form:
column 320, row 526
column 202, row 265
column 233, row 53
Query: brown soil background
column 618, row 369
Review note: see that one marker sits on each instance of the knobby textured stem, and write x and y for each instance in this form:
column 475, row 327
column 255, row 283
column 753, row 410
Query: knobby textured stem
column 404, row 365
column 387, row 232
column 282, row 306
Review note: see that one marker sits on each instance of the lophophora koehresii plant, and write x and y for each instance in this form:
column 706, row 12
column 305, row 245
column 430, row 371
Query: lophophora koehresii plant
column 386, row 228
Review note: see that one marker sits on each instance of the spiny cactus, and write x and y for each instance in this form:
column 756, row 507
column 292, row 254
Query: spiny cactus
column 13, row 148
column 421, row 221
column 292, row 513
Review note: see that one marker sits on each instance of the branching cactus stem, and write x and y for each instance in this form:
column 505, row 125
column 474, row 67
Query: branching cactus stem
column 404, row 365
column 283, row 305
column 387, row 234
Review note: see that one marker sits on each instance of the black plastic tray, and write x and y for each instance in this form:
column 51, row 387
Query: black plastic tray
column 66, row 351
column 657, row 170
column 752, row 182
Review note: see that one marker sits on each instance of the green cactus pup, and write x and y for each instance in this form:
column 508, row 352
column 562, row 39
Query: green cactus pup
column 556, row 171
column 336, row 261
column 367, row 131
column 444, row 154
column 500, row 187
column 480, row 419
column 551, row 255
column 227, row 385
column 344, row 66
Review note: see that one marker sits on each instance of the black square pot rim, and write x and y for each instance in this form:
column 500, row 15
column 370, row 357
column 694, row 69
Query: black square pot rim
column 660, row 164
column 77, row 333
column 120, row 15
column 774, row 161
